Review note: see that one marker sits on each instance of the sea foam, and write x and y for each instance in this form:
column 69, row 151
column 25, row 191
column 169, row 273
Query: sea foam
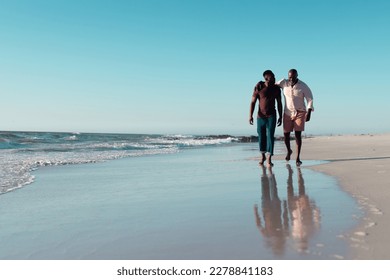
column 24, row 152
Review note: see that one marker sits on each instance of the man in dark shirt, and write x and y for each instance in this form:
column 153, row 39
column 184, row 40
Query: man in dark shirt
column 266, row 92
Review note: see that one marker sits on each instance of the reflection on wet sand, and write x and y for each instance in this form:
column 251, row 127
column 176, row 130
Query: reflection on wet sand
column 274, row 226
column 296, row 218
column 304, row 214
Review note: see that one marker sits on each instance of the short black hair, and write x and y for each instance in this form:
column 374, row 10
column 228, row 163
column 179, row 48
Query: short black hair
column 293, row 71
column 268, row 72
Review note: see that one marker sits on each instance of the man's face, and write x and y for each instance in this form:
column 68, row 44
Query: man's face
column 269, row 79
column 292, row 76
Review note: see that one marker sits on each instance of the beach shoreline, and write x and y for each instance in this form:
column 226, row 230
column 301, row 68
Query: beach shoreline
column 339, row 173
column 208, row 203
column 361, row 164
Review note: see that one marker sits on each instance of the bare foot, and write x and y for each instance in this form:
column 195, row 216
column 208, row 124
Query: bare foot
column 299, row 163
column 289, row 155
column 263, row 158
column 269, row 161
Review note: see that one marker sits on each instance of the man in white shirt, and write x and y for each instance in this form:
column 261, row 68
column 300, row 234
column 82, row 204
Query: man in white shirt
column 295, row 113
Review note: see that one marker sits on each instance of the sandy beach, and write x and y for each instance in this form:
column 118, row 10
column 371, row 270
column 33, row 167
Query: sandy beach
column 361, row 164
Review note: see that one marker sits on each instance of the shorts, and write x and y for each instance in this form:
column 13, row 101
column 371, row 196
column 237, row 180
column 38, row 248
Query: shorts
column 296, row 123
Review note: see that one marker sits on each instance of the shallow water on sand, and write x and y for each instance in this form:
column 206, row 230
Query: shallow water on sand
column 210, row 203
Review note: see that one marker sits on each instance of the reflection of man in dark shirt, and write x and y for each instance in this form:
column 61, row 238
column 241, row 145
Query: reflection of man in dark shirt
column 266, row 93
column 272, row 226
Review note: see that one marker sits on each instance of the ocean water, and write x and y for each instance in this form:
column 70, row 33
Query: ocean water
column 23, row 152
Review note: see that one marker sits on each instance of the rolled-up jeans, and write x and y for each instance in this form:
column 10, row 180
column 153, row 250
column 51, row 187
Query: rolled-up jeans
column 266, row 132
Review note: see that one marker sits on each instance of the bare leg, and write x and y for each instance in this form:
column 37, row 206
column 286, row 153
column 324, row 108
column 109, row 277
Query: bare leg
column 263, row 158
column 287, row 143
column 269, row 161
column 298, row 140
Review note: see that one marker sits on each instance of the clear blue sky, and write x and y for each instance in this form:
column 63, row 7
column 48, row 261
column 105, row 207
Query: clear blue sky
column 189, row 67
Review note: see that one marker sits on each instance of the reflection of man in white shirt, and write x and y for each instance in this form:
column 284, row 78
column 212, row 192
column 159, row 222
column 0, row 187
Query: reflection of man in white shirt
column 295, row 113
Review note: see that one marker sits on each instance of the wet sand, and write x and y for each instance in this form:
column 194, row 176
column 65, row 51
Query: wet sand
column 361, row 163
column 209, row 203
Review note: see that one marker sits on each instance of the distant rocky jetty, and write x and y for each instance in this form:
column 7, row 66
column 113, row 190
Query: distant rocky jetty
column 252, row 138
column 238, row 139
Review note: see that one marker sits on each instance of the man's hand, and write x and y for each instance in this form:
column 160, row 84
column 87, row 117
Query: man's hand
column 308, row 116
column 280, row 121
column 251, row 120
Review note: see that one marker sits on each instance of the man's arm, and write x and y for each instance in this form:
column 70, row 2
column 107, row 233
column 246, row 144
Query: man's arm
column 252, row 108
column 280, row 109
column 308, row 116
column 281, row 83
column 309, row 99
column 257, row 88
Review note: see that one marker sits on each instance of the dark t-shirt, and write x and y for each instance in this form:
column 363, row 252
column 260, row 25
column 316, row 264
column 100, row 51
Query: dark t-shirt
column 266, row 97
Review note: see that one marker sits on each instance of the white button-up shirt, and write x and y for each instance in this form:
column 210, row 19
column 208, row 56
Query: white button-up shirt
column 294, row 97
